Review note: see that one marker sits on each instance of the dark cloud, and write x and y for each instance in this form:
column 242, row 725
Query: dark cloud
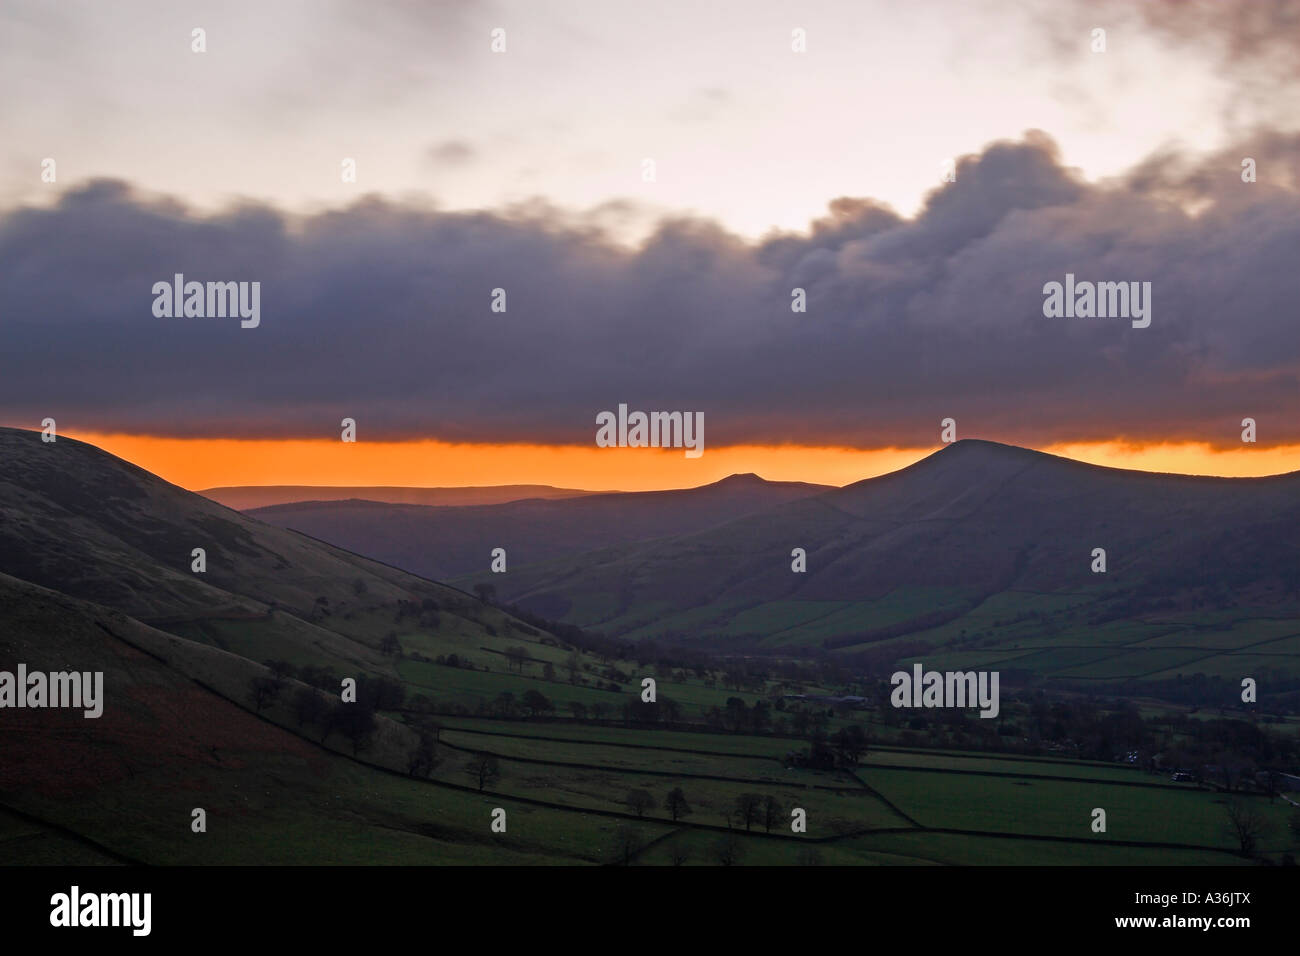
column 1263, row 33
column 1250, row 45
column 380, row 312
column 1251, row 34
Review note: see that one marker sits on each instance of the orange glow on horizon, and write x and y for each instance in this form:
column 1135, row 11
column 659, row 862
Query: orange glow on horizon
column 197, row 463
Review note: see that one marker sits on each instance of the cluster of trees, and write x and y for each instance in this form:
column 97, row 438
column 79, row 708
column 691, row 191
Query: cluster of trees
column 324, row 711
column 753, row 809
column 677, row 654
column 424, row 611
column 675, row 803
column 518, row 658
column 750, row 810
column 355, row 723
column 843, row 749
column 593, row 642
column 737, row 717
column 532, row 704
column 1226, row 751
column 455, row 660
column 423, row 758
column 1199, row 690
column 639, row 713
column 316, row 702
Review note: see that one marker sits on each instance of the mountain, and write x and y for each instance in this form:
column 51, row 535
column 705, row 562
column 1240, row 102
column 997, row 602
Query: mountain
column 447, row 542
column 71, row 513
column 247, row 497
column 97, row 575
column 81, row 523
column 953, row 551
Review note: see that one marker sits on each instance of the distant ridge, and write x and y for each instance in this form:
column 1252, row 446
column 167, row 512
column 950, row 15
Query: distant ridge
column 247, row 497
column 974, row 522
column 444, row 542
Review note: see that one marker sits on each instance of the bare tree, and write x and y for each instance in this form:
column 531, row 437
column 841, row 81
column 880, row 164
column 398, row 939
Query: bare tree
column 483, row 768
column 309, row 706
column 433, row 728
column 748, row 806
column 264, row 690
column 280, row 669
column 727, row 850
column 676, row 804
column 1246, row 824
column 357, row 723
column 517, row 657
column 639, row 801
column 1272, row 783
column 771, row 813
column 850, row 744
column 421, row 761
column 536, row 703
column 627, row 844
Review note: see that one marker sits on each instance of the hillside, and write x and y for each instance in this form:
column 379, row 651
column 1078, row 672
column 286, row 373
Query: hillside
column 447, row 542
column 953, row 550
column 177, row 733
column 76, row 520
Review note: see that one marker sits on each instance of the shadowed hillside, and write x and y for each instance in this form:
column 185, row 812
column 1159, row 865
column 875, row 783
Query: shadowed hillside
column 77, row 520
column 447, row 542
column 926, row 551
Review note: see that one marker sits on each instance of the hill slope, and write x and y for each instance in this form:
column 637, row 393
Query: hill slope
column 76, row 520
column 447, row 542
column 933, row 543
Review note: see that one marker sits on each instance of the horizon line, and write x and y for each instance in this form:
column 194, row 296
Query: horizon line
column 199, row 464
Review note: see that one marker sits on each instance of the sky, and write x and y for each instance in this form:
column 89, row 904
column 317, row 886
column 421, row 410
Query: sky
column 524, row 170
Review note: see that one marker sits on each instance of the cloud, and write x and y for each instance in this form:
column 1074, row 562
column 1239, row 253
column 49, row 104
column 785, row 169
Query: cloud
column 381, row 311
column 452, row 152
column 1265, row 33
column 1250, row 46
